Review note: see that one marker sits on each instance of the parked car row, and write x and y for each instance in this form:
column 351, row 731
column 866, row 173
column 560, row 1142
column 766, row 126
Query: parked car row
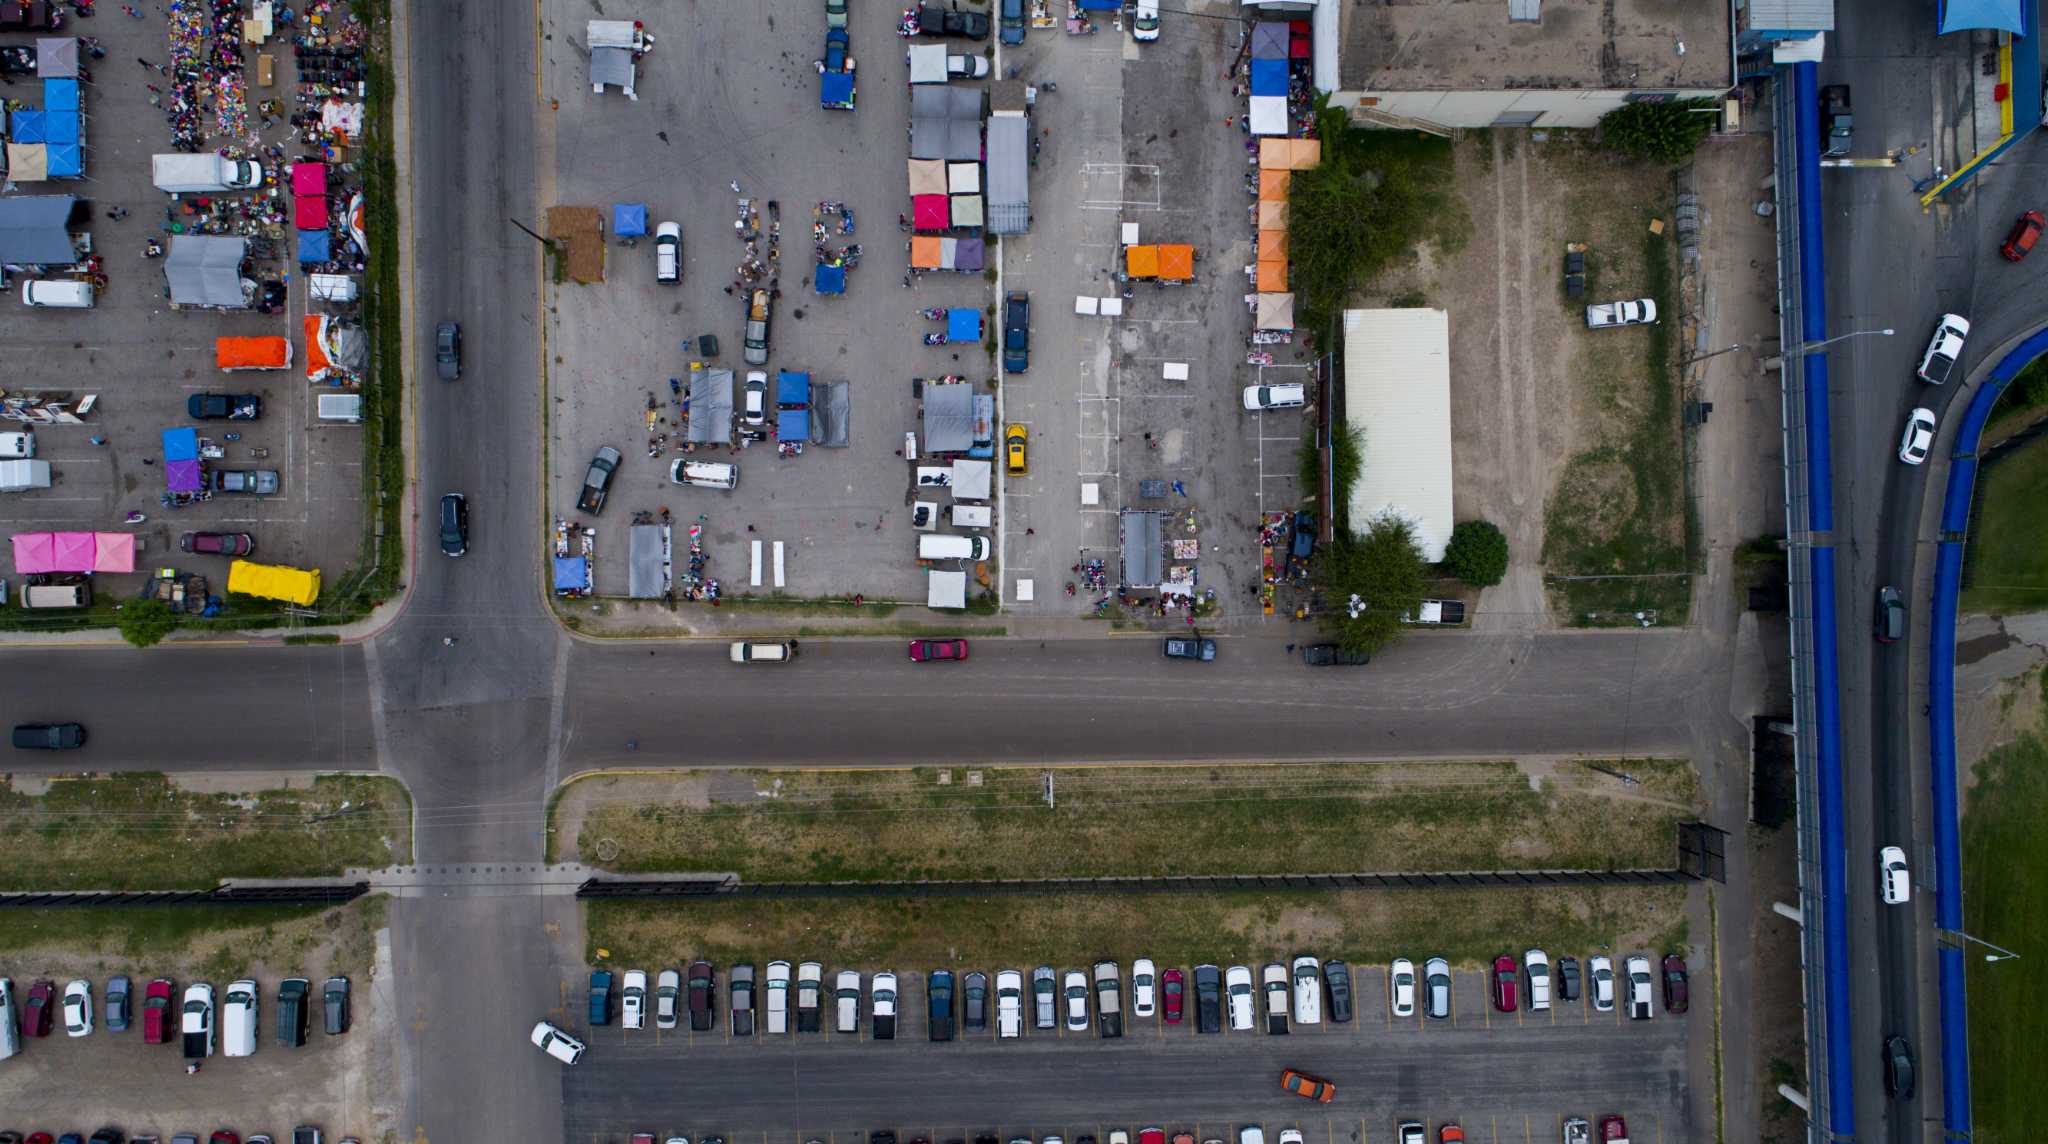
column 165, row 1013
column 1535, row 982
column 303, row 1134
column 1576, row 1130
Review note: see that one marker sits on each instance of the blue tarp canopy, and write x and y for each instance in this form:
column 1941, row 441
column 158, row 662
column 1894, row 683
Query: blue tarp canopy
column 1999, row 15
column 629, row 220
column 181, row 444
column 1269, row 77
column 28, row 127
column 835, row 89
column 571, row 573
column 831, row 279
column 963, row 325
column 313, row 246
column 792, row 424
column 792, row 389
column 60, row 95
column 1101, row 5
column 64, row 161
column 60, row 127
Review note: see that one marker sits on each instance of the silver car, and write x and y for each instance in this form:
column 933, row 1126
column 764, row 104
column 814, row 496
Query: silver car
column 1075, row 986
column 1436, row 988
column 1600, row 971
column 1045, row 998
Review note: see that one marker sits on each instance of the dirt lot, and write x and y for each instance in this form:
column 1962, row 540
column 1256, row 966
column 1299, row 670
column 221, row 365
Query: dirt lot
column 59, row 1084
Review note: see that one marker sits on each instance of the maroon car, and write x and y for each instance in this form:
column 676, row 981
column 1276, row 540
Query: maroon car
column 1505, row 982
column 702, row 983
column 159, row 1011
column 1613, row 1128
column 925, row 651
column 2025, row 233
column 1171, row 987
column 36, row 1016
column 1674, row 983
column 223, row 1136
column 218, row 543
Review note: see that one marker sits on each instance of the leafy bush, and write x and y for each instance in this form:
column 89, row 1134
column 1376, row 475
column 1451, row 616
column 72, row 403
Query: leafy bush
column 146, row 622
column 1477, row 553
column 1663, row 132
column 1383, row 568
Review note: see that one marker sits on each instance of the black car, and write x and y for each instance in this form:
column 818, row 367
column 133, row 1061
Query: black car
column 1332, row 655
column 1303, row 544
column 597, row 483
column 1898, row 1067
column 1337, row 982
column 224, row 406
column 938, row 990
column 1568, row 978
column 1016, row 332
column 1190, row 647
column 1891, row 615
column 454, row 525
column 1208, row 999
column 218, row 543
column 974, row 995
column 448, row 350
column 293, row 997
column 740, row 985
column 106, row 1136
column 334, row 999
column 933, row 20
column 48, row 736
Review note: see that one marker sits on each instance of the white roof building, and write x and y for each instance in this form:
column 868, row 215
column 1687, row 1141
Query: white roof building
column 1397, row 393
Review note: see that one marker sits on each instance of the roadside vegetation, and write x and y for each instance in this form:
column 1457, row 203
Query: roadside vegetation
column 2024, row 401
column 1477, row 553
column 1176, row 929
column 217, row 943
column 2006, row 565
column 140, row 831
column 1369, row 580
column 1661, row 132
column 2005, row 900
column 903, row 824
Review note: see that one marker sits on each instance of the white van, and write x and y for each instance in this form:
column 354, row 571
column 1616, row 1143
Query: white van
column 343, row 407
column 238, row 1020
column 55, row 596
column 61, row 293
column 762, row 651
column 846, row 995
column 10, row 1026
column 711, row 474
column 942, row 547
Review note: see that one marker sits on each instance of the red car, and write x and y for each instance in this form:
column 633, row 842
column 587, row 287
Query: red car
column 218, row 543
column 925, row 651
column 1172, row 986
column 2025, row 233
column 223, row 1136
column 41, row 1138
column 159, row 1012
column 1505, row 982
column 1613, row 1128
column 1151, row 1136
column 1450, row 1134
column 36, row 1016
column 1674, row 983
column 643, row 1138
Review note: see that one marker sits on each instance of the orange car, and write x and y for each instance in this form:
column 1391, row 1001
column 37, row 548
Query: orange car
column 1450, row 1134
column 1312, row 1087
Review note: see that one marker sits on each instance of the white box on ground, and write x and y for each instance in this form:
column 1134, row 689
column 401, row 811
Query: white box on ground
column 1130, row 234
column 1027, row 590
column 1091, row 494
column 973, row 516
column 1112, row 307
column 756, row 579
column 778, row 564
column 1084, row 305
column 1175, row 370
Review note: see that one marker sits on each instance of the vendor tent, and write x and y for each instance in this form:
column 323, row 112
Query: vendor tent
column 1269, row 40
column 927, row 177
column 945, row 589
column 792, row 405
column 274, row 582
column 928, row 63
column 925, row 250
column 181, row 460
column 113, row 552
column 28, row 126
column 1142, row 550
column 629, row 220
column 927, row 134
column 572, row 574
column 35, row 228
column 1274, row 183
column 73, row 552
column 1271, row 273
column 313, row 246
column 710, row 406
column 963, row 178
column 835, row 90
column 28, row 162
column 830, row 278
column 1268, row 115
column 963, row 324
column 1009, row 189
column 948, row 418
column 206, row 270
column 1269, row 77
column 33, row 552
column 612, row 67
column 647, row 567
column 930, row 212
column 973, row 480
column 1275, row 312
column 1289, row 154
column 968, row 254
column 1273, row 216
column 264, row 352
column 60, row 95
column 830, row 403
column 1176, row 262
column 966, row 211
column 309, row 212
column 57, row 57
column 309, row 178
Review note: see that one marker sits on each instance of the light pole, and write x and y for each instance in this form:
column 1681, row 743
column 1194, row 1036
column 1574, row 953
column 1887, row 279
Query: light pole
column 1711, row 353
column 1812, row 346
column 2003, row 953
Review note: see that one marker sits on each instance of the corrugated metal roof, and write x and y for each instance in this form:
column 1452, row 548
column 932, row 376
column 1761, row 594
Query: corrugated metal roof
column 1397, row 392
column 1792, row 15
column 1530, row 11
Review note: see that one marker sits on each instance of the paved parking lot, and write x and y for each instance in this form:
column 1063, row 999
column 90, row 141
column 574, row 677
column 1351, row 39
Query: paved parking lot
column 1503, row 1076
column 143, row 360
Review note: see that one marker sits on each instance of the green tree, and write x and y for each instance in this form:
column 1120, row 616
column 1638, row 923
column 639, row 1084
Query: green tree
column 1477, row 553
column 1664, row 132
column 1370, row 581
column 146, row 622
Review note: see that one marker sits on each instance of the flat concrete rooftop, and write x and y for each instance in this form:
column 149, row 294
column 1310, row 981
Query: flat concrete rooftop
column 1471, row 45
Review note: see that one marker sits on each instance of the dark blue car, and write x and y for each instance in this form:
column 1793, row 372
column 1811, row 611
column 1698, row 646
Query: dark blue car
column 601, row 996
column 939, row 990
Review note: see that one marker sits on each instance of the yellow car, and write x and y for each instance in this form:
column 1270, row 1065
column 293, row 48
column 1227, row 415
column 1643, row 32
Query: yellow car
column 1013, row 447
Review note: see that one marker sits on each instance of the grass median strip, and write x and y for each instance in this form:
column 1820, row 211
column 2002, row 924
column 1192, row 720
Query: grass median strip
column 213, row 942
column 146, row 832
column 995, row 822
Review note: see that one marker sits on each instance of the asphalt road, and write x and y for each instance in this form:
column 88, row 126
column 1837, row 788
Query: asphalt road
column 1890, row 265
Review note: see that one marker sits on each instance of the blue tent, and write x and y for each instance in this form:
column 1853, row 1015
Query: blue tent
column 1101, row 5
column 1999, row 15
column 313, row 246
column 1269, row 77
column 60, row 127
column 963, row 325
column 28, row 127
column 835, row 89
column 629, row 220
column 181, row 444
column 792, row 424
column 64, row 160
column 572, row 573
column 60, row 95
column 831, row 279
column 792, row 389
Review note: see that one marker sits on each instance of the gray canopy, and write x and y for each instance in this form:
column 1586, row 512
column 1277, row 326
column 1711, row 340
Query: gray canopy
column 33, row 229
column 647, row 570
column 57, row 57
column 711, row 407
column 1142, row 549
column 830, row 404
column 206, row 270
column 948, row 418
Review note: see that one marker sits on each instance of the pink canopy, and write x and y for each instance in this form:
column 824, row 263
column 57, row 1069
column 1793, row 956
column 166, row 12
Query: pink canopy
column 113, row 552
column 74, row 551
column 32, row 552
column 929, row 212
column 309, row 212
column 309, row 178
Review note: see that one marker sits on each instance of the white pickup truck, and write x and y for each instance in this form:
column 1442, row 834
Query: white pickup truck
column 1640, row 312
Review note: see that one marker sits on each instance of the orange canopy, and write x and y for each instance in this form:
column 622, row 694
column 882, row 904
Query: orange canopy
column 1272, row 275
column 1273, row 184
column 1290, row 154
column 1177, row 262
column 252, row 353
column 1272, row 244
column 1141, row 261
column 1273, row 216
column 925, row 251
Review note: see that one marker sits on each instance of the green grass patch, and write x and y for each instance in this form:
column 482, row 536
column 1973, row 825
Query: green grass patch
column 138, row 831
column 838, row 606
column 903, row 824
column 2022, row 403
column 2006, row 565
column 218, row 943
column 2005, row 900
column 1177, row 929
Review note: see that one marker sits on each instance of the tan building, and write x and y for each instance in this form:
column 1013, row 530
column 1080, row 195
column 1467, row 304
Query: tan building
column 1540, row 63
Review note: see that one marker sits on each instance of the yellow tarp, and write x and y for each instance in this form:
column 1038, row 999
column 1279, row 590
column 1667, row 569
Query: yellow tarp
column 1141, row 261
column 274, row 582
column 1273, row 184
column 1177, row 262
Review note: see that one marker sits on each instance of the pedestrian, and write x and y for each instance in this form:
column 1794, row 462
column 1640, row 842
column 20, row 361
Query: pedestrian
column 98, row 440
column 728, row 289
column 735, row 186
column 132, row 10
column 750, row 528
column 143, row 62
column 1230, row 121
column 1290, row 649
column 149, row 460
column 1031, row 532
column 154, row 88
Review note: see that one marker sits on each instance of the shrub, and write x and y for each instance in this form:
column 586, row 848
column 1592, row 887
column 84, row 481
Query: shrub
column 1383, row 568
column 1477, row 553
column 1662, row 132
column 146, row 622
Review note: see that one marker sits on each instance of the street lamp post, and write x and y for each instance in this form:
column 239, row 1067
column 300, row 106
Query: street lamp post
column 1711, row 353
column 1812, row 346
column 2003, row 953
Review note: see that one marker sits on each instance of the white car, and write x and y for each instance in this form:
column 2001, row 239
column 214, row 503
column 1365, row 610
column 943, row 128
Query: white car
column 557, row 1044
column 1308, row 991
column 1640, row 312
column 1290, row 396
column 846, row 995
column 1536, row 964
column 1600, row 975
column 1251, row 1134
column 668, row 253
column 1273, row 981
column 776, row 1001
column 754, row 407
column 1639, row 988
column 1401, row 987
column 966, row 67
column 239, row 1029
column 196, row 1016
column 668, row 991
column 1075, row 988
column 1892, row 878
column 1290, row 1136
column 1009, row 1004
column 1237, row 988
column 633, row 1000
column 1145, row 29
column 1411, row 1132
column 883, row 992
column 1918, row 438
column 1944, row 349
column 78, row 1008
column 1144, row 987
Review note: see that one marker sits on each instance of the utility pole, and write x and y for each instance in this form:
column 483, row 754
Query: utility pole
column 1050, row 803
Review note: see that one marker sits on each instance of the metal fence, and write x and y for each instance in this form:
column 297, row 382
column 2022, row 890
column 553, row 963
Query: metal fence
column 310, row 894
column 727, row 886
